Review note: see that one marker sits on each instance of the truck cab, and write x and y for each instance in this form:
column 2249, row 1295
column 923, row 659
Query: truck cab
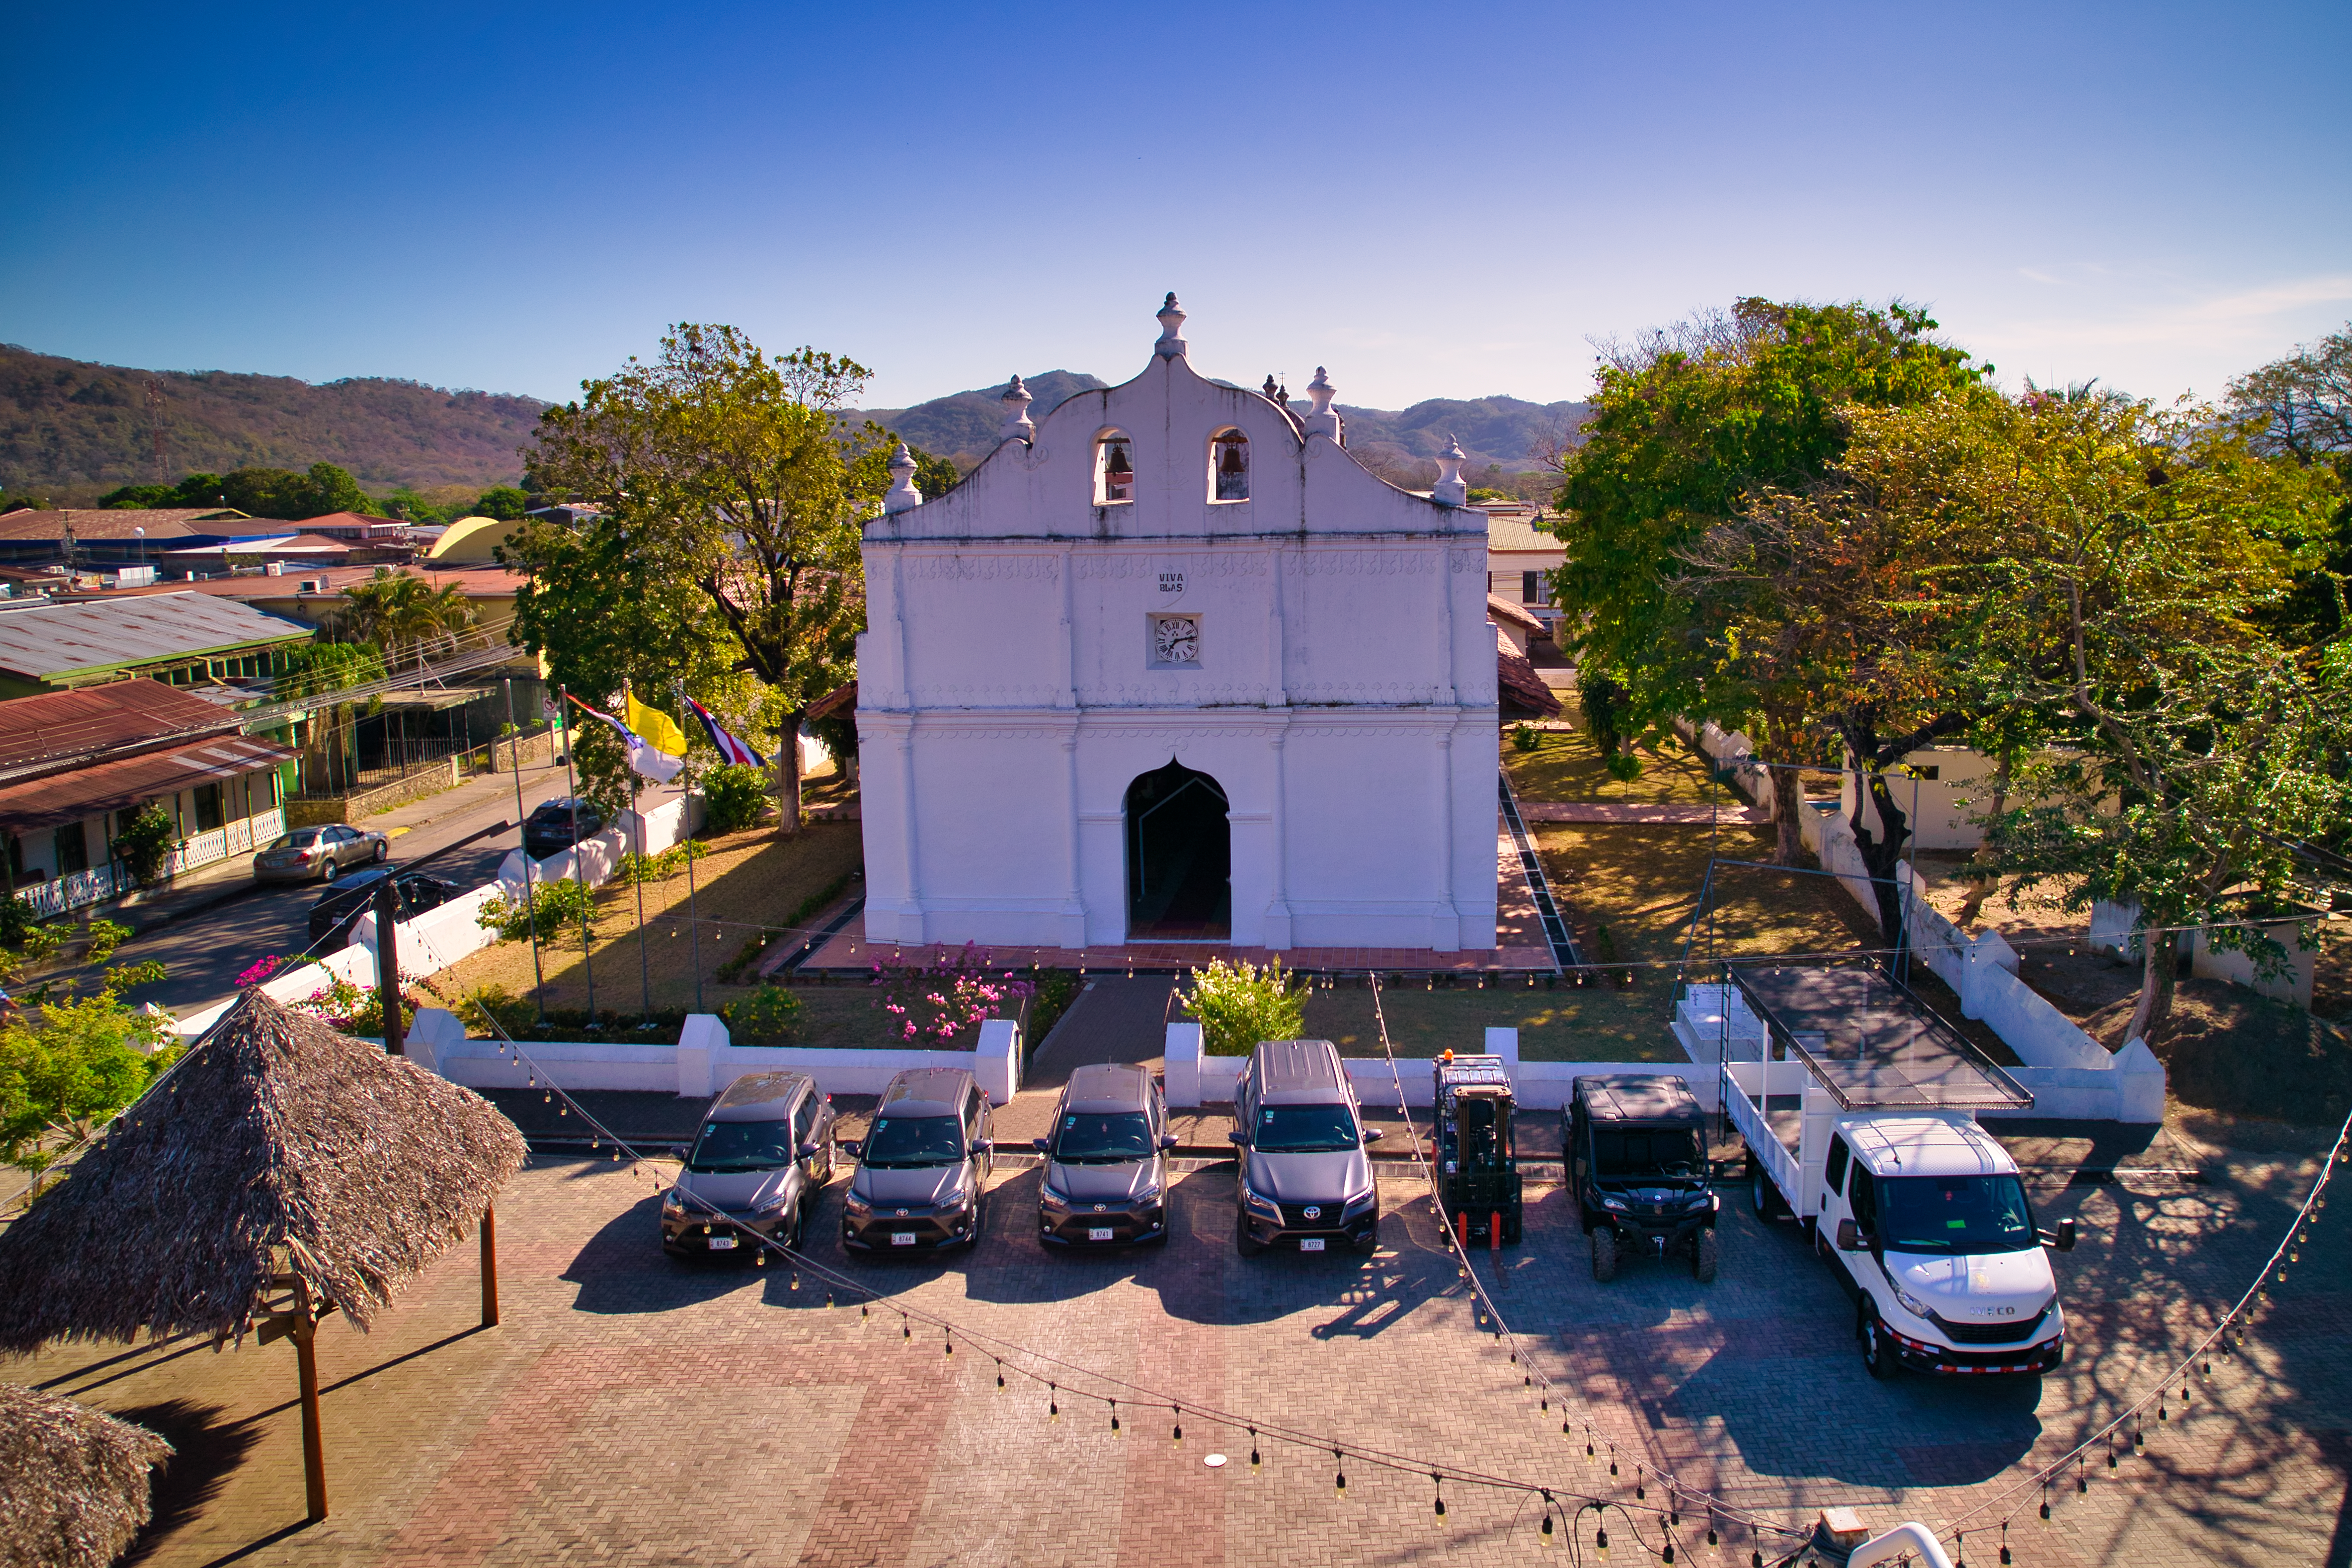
column 1930, row 1226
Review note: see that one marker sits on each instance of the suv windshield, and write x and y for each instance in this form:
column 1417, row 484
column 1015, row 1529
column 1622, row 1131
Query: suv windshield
column 1305, row 1129
column 1954, row 1215
column 915, row 1141
column 741, row 1146
column 1653, row 1151
column 1103, row 1140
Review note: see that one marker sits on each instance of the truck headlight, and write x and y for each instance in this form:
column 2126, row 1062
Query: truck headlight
column 1265, row 1205
column 1609, row 1203
column 1913, row 1305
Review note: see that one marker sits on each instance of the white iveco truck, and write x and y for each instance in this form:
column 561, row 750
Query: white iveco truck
column 1860, row 1123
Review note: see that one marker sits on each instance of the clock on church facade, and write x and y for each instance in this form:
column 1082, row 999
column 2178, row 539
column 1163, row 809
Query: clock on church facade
column 1169, row 665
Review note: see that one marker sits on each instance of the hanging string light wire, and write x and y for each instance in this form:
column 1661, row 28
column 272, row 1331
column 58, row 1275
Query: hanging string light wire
column 1483, row 1301
column 2004, row 1504
column 1064, row 1376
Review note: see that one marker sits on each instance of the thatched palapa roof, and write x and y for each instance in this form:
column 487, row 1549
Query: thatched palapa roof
column 278, row 1146
column 75, row 1479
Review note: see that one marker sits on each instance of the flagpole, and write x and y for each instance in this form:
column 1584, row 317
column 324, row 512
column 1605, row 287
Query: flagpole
column 530, row 898
column 571, row 784
column 644, row 965
column 686, row 804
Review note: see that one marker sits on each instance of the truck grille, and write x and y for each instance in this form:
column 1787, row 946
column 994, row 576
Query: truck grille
column 1325, row 1217
column 2005, row 1333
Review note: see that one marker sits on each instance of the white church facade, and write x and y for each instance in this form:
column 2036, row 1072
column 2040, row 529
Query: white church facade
column 1170, row 665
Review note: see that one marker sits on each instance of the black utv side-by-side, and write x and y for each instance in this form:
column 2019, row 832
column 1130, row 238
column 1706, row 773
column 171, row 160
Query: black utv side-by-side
column 1635, row 1150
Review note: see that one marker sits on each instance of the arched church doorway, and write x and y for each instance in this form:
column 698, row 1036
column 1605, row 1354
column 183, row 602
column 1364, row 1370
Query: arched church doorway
column 1178, row 857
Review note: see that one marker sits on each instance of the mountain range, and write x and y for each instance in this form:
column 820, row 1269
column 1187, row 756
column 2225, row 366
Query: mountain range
column 70, row 431
column 1500, row 435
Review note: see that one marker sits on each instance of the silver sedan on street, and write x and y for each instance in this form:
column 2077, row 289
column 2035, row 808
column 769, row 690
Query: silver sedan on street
column 320, row 852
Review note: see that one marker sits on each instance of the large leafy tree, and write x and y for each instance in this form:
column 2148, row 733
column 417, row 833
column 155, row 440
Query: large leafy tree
column 2300, row 407
column 731, row 469
column 2109, row 568
column 1690, row 424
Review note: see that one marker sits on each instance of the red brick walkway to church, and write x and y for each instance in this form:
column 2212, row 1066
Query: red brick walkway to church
column 1519, row 945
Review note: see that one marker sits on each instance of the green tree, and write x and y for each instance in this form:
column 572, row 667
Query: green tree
column 2113, row 565
column 729, row 469
column 67, row 1063
column 2300, row 407
column 1688, row 424
column 502, row 501
column 278, row 493
column 401, row 613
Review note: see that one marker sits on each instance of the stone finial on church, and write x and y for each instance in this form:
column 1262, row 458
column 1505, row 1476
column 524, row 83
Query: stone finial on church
column 1015, row 404
column 1323, row 420
column 1451, row 489
column 902, row 496
column 1171, row 323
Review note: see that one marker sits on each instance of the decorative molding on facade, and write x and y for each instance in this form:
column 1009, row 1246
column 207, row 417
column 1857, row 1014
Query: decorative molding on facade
column 1417, row 560
column 1041, row 566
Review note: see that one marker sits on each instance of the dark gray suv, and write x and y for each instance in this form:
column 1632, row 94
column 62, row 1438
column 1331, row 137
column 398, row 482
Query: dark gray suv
column 762, row 1155
column 1304, row 1173
column 921, row 1168
column 1106, row 1182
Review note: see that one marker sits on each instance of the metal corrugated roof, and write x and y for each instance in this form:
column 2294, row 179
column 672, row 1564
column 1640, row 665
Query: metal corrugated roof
column 42, row 641
column 1515, row 535
column 111, row 787
column 96, row 718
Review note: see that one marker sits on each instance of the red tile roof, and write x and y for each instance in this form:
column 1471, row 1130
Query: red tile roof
column 66, row 723
column 1521, row 686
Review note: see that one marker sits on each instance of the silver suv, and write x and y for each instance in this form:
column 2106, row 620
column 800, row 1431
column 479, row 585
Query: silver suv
column 922, row 1167
column 764, row 1154
column 1106, row 1182
column 1305, row 1176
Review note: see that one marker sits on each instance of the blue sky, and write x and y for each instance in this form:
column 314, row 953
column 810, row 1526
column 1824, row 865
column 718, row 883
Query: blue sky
column 1434, row 201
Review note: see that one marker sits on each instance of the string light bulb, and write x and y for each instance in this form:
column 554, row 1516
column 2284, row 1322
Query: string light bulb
column 1547, row 1539
column 1176, row 1435
column 1257, row 1459
column 1438, row 1481
column 1601, row 1541
column 1052, row 1402
column 2004, row 1542
column 1339, row 1476
column 999, row 1374
column 1114, row 1418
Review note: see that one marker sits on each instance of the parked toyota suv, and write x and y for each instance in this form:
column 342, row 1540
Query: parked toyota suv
column 763, row 1156
column 1106, row 1182
column 922, row 1167
column 1304, row 1173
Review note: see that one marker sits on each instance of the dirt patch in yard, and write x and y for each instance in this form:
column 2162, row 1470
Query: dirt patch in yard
column 2229, row 1050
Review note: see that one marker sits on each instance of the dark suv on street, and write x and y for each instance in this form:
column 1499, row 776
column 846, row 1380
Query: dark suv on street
column 1304, row 1173
column 550, row 829
column 763, row 1156
column 1106, row 1182
column 922, row 1167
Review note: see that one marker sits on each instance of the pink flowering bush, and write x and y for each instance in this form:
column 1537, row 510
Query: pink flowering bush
column 260, row 972
column 931, row 998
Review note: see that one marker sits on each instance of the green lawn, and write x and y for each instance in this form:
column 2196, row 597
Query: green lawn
column 1567, row 766
column 1570, row 1024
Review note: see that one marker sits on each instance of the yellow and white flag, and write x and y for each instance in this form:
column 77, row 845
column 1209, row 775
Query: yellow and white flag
column 655, row 728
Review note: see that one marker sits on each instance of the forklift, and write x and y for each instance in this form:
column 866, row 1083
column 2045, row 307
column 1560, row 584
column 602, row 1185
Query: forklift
column 1477, row 1166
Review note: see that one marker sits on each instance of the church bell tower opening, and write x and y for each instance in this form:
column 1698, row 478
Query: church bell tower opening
column 1178, row 857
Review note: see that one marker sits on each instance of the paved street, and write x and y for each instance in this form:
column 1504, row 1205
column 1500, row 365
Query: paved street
column 204, row 949
column 633, row 1409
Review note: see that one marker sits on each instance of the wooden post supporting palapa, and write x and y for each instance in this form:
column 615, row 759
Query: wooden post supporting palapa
column 489, row 1267
column 305, row 1328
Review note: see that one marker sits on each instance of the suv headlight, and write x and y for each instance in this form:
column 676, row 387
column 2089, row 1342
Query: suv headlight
column 672, row 1203
column 857, row 1206
column 1054, row 1195
column 1259, row 1200
column 1913, row 1305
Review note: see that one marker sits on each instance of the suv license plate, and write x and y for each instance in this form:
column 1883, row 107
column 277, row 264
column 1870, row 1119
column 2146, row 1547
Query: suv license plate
column 902, row 1238
column 1098, row 1233
column 1310, row 1244
column 722, row 1244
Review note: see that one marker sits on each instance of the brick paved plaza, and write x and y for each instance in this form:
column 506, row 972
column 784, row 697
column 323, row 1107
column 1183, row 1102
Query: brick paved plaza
column 632, row 1409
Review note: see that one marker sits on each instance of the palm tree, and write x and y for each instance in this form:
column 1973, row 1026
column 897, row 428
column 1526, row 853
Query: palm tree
column 397, row 612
